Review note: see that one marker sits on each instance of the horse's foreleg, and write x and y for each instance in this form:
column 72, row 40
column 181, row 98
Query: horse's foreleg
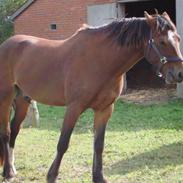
column 21, row 108
column 100, row 122
column 71, row 116
column 6, row 97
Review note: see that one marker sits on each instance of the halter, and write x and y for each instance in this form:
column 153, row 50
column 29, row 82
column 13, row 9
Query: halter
column 163, row 59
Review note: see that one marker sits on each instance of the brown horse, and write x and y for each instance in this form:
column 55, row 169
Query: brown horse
column 84, row 71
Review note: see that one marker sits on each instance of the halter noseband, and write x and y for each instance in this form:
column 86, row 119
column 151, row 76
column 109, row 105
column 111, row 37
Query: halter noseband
column 163, row 59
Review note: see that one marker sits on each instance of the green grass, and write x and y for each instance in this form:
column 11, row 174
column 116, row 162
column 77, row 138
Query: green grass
column 143, row 144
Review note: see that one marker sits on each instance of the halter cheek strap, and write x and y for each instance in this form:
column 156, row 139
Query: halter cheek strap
column 162, row 58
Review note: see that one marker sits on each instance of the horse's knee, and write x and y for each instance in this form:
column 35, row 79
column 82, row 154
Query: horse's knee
column 63, row 144
column 62, row 148
column 14, row 132
column 20, row 114
column 99, row 141
column 12, row 138
column 5, row 137
column 99, row 148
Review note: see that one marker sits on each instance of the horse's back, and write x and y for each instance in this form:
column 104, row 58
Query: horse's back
column 13, row 48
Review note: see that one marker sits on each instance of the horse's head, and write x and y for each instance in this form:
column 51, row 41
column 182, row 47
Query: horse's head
column 163, row 47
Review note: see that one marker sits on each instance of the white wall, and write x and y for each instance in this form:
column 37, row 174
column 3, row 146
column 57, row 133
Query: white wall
column 179, row 23
column 179, row 18
column 98, row 15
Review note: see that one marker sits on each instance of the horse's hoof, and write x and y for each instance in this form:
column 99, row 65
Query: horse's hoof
column 51, row 180
column 14, row 170
column 8, row 180
column 101, row 181
column 105, row 181
column 8, row 176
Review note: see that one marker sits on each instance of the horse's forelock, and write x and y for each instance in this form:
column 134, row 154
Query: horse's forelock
column 164, row 24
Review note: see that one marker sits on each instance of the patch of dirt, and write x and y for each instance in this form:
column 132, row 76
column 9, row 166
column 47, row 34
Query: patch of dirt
column 149, row 96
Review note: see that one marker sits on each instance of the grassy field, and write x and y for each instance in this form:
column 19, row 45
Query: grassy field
column 144, row 144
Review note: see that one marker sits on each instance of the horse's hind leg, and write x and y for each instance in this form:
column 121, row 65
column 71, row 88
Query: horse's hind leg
column 6, row 98
column 21, row 107
column 100, row 122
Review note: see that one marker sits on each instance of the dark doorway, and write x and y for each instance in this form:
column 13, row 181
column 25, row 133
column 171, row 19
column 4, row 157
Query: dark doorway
column 142, row 74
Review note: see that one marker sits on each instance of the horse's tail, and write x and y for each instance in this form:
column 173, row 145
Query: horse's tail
column 1, row 153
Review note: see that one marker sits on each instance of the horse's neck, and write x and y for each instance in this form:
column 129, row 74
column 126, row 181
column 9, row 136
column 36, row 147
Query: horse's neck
column 109, row 56
column 127, row 58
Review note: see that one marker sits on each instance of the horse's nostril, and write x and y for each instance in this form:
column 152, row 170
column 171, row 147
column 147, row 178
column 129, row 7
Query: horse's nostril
column 180, row 75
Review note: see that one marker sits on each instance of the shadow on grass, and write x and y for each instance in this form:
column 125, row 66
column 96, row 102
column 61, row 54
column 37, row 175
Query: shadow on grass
column 166, row 155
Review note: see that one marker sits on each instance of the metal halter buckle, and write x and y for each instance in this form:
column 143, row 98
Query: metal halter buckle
column 163, row 60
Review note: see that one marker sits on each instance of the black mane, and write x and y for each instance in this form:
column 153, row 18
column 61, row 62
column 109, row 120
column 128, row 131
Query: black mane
column 132, row 31
column 129, row 31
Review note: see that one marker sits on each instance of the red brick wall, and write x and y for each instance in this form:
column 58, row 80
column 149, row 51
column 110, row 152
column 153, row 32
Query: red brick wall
column 69, row 15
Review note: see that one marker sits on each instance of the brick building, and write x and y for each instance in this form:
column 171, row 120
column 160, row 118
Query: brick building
column 58, row 19
column 53, row 19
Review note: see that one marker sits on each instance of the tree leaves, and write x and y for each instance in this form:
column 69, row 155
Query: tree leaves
column 7, row 8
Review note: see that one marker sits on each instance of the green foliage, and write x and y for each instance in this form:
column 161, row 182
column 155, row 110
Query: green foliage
column 7, row 8
column 6, row 30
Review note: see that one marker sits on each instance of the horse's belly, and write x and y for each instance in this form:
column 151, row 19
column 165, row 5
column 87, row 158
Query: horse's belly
column 52, row 100
column 46, row 93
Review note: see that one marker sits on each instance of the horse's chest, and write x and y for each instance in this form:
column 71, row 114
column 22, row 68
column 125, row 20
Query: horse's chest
column 108, row 94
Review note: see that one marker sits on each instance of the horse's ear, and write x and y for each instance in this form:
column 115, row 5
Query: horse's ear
column 165, row 14
column 156, row 11
column 147, row 16
column 150, row 20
